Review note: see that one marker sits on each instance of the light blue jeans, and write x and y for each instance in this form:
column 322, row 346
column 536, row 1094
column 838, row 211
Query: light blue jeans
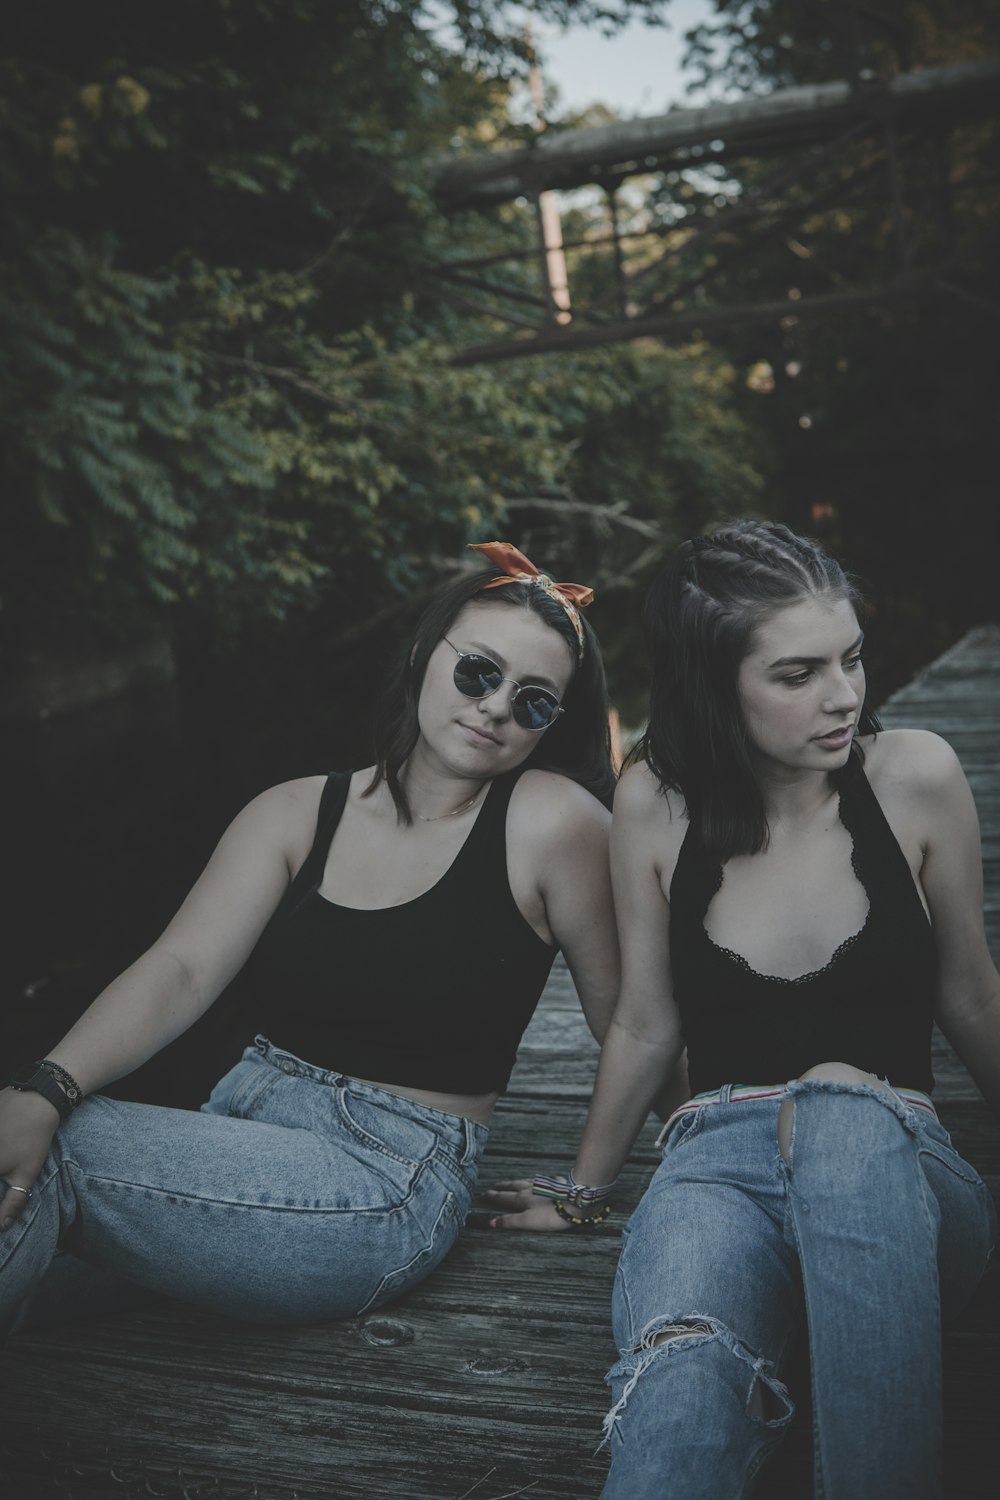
column 872, row 1229
column 295, row 1195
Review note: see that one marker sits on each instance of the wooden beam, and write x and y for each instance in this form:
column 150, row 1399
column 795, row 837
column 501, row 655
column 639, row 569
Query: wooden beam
column 670, row 327
column 754, row 202
column 787, row 117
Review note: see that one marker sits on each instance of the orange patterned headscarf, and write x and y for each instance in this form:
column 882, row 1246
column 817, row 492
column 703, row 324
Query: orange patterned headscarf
column 519, row 569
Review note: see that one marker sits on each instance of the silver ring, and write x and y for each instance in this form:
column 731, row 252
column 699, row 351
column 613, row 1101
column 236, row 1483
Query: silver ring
column 11, row 1188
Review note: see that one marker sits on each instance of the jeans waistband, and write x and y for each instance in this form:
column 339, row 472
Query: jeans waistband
column 735, row 1092
column 466, row 1137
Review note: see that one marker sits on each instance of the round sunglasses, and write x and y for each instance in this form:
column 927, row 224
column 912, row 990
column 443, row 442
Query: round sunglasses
column 477, row 676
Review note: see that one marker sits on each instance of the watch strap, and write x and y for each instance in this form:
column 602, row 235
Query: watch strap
column 38, row 1080
column 66, row 1081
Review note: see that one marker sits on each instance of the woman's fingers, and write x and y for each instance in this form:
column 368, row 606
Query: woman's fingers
column 542, row 1216
column 13, row 1202
column 511, row 1195
column 27, row 1124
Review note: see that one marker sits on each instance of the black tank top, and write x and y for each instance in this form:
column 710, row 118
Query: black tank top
column 870, row 1006
column 433, row 994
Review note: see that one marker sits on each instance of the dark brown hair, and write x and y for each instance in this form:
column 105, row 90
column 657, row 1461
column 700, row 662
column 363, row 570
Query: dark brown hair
column 701, row 613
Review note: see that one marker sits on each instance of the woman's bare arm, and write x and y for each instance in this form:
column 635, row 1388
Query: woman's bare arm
column 565, row 833
column 968, row 1003
column 643, row 1045
column 174, row 981
column 204, row 946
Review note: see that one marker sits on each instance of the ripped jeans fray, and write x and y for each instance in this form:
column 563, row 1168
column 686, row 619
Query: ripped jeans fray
column 684, row 1333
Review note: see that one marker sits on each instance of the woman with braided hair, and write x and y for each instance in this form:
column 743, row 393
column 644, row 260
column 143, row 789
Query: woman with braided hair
column 799, row 896
column 400, row 923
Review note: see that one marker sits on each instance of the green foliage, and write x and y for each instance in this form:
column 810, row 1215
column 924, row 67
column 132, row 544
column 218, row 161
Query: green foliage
column 224, row 377
column 113, row 457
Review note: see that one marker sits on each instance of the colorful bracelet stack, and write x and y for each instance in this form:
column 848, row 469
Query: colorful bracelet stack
column 592, row 1204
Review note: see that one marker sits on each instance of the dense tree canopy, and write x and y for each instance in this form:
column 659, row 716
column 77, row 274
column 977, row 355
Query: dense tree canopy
column 223, row 385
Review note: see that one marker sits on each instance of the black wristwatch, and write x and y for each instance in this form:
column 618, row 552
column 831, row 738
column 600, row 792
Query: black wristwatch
column 37, row 1079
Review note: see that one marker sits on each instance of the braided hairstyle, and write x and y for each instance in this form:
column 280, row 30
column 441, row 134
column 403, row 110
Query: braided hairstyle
column 701, row 614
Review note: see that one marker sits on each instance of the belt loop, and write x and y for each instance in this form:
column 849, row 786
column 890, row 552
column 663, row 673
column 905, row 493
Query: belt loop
column 724, row 1093
column 471, row 1150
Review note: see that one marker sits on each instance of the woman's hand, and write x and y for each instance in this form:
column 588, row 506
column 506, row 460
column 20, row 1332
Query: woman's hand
column 520, row 1208
column 27, row 1124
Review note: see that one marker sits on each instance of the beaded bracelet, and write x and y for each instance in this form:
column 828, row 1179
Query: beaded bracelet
column 582, row 1221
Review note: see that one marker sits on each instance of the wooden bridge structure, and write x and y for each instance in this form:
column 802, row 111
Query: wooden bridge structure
column 485, row 1382
column 882, row 140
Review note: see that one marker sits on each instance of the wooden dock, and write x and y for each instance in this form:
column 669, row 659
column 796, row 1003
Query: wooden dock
column 486, row 1382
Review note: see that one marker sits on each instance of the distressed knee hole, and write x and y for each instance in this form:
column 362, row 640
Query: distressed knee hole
column 767, row 1400
column 676, row 1331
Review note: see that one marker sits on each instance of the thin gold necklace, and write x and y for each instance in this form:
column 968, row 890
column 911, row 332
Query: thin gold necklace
column 461, row 808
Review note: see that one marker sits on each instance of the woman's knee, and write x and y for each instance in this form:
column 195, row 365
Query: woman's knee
column 718, row 1378
column 763, row 1404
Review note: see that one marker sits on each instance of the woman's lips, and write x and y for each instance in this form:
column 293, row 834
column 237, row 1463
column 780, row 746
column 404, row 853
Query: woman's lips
column 479, row 736
column 837, row 738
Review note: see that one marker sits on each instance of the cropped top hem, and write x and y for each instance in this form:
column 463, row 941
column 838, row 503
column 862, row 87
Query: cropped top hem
column 433, row 993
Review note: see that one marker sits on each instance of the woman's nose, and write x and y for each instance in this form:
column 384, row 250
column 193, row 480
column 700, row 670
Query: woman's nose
column 844, row 694
column 497, row 705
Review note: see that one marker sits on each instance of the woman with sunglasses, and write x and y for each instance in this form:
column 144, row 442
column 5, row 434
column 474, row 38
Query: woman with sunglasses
column 799, row 896
column 398, row 925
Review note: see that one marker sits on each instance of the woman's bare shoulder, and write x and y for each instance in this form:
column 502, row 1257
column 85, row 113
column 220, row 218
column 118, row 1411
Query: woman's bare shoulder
column 546, row 804
column 291, row 799
column 650, row 818
column 641, row 794
column 914, row 761
column 920, row 786
column 286, row 814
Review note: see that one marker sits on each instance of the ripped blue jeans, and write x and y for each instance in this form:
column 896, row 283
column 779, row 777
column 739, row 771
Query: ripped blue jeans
column 295, row 1195
column 871, row 1229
